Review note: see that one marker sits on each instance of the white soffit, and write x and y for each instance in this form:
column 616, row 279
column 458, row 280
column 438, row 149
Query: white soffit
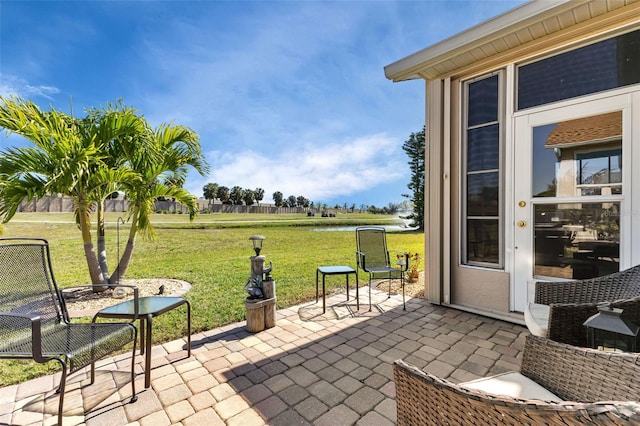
column 526, row 23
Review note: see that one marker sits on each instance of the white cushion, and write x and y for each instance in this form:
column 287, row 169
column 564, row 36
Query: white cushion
column 512, row 384
column 536, row 316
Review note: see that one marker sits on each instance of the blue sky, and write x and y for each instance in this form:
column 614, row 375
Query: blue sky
column 287, row 96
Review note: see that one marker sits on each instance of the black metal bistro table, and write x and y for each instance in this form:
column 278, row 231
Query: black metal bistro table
column 334, row 270
column 148, row 307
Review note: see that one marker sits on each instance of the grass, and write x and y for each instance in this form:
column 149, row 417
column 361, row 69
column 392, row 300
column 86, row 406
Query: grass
column 213, row 255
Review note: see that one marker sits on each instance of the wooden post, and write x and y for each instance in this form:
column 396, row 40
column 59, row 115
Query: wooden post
column 269, row 289
column 270, row 313
column 255, row 316
column 261, row 314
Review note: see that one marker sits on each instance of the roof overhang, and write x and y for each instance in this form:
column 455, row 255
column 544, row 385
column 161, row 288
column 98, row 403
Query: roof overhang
column 522, row 25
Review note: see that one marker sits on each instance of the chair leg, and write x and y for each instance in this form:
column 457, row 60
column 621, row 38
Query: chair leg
column 61, row 387
column 404, row 305
column 134, row 397
column 369, row 292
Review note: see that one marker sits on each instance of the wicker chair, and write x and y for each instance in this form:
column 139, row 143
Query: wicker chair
column 560, row 308
column 593, row 387
column 34, row 323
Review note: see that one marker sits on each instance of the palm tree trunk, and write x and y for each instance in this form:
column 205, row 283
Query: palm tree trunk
column 123, row 265
column 123, row 262
column 102, row 245
column 89, row 251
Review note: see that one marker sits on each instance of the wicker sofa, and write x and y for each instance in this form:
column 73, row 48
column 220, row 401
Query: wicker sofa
column 560, row 308
column 586, row 386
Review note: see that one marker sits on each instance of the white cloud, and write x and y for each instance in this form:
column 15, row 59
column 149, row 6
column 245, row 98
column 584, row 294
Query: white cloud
column 17, row 86
column 317, row 172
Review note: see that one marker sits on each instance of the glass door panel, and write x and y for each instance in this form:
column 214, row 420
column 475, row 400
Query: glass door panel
column 576, row 240
column 574, row 159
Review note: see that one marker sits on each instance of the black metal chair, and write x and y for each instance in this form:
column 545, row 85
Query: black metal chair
column 372, row 256
column 34, row 323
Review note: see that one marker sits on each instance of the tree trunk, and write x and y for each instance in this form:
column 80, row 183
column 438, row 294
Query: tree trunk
column 123, row 262
column 94, row 267
column 123, row 265
column 102, row 245
column 102, row 259
column 89, row 251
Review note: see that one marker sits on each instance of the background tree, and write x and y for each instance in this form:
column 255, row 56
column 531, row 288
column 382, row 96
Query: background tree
column 236, row 195
column 292, row 201
column 258, row 195
column 223, row 194
column 278, row 199
column 248, row 195
column 414, row 147
column 210, row 192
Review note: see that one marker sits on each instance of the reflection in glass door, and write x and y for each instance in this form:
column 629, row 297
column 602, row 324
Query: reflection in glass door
column 576, row 160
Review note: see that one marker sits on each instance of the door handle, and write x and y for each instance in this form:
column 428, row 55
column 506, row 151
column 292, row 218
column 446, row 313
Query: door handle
column 522, row 224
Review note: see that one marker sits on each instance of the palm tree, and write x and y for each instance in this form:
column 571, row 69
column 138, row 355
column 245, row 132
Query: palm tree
column 112, row 149
column 236, row 195
column 101, row 119
column 223, row 194
column 210, row 192
column 160, row 158
column 68, row 157
column 259, row 194
column 248, row 195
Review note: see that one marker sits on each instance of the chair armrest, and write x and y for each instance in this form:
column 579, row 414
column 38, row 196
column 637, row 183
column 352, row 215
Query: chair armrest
column 11, row 321
column 135, row 297
column 422, row 398
column 618, row 285
column 547, row 292
column 581, row 374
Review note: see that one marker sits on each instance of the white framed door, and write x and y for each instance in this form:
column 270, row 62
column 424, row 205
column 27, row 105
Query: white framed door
column 572, row 191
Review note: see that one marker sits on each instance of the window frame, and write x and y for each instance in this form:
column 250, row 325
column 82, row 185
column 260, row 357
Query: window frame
column 465, row 172
column 610, row 184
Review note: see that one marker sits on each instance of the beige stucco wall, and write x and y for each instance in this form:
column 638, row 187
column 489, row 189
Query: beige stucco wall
column 478, row 288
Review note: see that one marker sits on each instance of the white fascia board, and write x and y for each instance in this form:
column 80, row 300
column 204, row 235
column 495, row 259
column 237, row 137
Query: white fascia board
column 506, row 23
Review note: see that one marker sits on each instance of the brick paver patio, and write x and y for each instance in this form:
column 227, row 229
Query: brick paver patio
column 311, row 369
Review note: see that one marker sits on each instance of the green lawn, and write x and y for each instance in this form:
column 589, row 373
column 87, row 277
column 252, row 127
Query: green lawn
column 213, row 255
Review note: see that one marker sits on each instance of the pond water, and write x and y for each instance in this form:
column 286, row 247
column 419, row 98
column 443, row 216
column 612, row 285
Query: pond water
column 353, row 228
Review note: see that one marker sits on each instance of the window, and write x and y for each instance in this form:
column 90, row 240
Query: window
column 600, row 167
column 590, row 69
column 482, row 199
column 580, row 157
